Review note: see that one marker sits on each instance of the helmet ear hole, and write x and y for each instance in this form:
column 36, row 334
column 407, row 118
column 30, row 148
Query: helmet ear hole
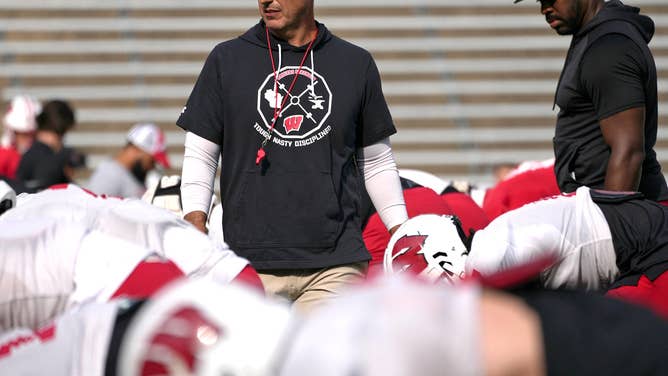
column 5, row 205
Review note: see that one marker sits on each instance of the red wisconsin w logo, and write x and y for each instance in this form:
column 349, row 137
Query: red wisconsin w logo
column 293, row 123
column 179, row 341
column 406, row 253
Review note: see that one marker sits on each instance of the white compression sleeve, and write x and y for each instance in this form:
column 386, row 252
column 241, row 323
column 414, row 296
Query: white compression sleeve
column 200, row 162
column 381, row 179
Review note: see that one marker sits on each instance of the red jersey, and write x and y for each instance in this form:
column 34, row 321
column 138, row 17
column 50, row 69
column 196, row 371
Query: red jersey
column 9, row 162
column 419, row 200
column 470, row 214
column 519, row 189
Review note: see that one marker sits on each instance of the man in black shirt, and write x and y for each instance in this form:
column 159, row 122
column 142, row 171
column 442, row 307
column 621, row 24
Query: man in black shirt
column 48, row 161
column 607, row 97
column 294, row 112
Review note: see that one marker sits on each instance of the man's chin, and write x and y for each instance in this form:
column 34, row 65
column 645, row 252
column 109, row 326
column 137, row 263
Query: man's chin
column 274, row 24
column 564, row 30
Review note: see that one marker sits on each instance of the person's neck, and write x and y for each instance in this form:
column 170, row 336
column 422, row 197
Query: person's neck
column 298, row 36
column 51, row 139
column 126, row 158
column 590, row 12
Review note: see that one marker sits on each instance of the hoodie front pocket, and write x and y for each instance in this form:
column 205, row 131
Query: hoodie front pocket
column 284, row 209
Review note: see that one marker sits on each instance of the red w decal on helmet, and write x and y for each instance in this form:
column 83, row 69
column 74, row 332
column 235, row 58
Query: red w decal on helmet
column 407, row 253
column 173, row 349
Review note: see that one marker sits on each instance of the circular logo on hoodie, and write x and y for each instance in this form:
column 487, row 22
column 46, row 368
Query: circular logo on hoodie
column 303, row 110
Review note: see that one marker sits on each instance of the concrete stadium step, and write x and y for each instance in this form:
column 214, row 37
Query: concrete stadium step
column 245, row 4
column 434, row 46
column 426, row 44
column 413, row 88
column 388, row 67
column 423, row 23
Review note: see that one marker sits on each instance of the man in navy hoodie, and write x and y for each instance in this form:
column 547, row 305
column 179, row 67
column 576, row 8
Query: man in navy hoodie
column 607, row 98
column 299, row 121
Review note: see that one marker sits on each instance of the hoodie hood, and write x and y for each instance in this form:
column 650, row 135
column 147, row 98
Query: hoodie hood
column 615, row 10
column 257, row 35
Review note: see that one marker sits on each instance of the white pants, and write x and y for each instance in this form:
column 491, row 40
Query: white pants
column 572, row 228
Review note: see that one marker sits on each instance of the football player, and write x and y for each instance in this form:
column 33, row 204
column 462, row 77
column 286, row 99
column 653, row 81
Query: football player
column 189, row 327
column 64, row 246
column 600, row 240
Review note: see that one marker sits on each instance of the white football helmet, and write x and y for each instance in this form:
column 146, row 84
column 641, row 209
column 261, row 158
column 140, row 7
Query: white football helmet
column 7, row 197
column 429, row 245
column 195, row 327
column 166, row 193
column 424, row 179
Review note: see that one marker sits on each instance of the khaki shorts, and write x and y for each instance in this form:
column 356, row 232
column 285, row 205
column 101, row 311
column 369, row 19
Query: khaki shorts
column 309, row 288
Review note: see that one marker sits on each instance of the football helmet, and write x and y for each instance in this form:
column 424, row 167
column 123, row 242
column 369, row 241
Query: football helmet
column 423, row 179
column 195, row 327
column 7, row 197
column 430, row 246
column 166, row 194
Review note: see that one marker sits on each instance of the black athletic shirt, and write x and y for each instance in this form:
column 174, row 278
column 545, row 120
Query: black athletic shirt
column 609, row 69
column 299, row 208
column 589, row 334
column 41, row 167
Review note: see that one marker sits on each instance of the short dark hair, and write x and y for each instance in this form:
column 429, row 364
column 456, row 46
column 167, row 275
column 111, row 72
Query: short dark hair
column 56, row 116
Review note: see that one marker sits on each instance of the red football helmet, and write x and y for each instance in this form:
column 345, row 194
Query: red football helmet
column 430, row 246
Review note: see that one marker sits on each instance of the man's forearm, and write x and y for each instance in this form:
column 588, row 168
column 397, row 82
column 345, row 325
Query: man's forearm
column 624, row 171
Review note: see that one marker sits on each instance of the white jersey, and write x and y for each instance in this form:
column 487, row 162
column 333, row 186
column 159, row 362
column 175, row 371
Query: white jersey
column 392, row 327
column 74, row 345
column 573, row 228
column 215, row 223
column 63, row 203
column 49, row 267
column 82, row 247
column 38, row 261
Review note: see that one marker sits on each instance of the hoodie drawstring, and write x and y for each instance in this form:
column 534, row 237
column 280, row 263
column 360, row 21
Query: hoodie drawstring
column 312, row 75
column 277, row 110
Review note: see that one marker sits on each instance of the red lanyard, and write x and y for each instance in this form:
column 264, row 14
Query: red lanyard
column 277, row 110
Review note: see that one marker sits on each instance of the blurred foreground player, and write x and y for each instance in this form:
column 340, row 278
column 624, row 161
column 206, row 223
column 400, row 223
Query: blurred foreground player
column 402, row 327
column 187, row 328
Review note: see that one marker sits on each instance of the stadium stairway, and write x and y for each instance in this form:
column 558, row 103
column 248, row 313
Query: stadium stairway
column 470, row 83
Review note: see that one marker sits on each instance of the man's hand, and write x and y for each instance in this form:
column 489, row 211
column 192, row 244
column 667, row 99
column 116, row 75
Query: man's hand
column 197, row 219
column 393, row 229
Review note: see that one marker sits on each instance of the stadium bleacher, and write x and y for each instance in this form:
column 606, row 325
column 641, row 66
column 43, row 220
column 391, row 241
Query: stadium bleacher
column 469, row 82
